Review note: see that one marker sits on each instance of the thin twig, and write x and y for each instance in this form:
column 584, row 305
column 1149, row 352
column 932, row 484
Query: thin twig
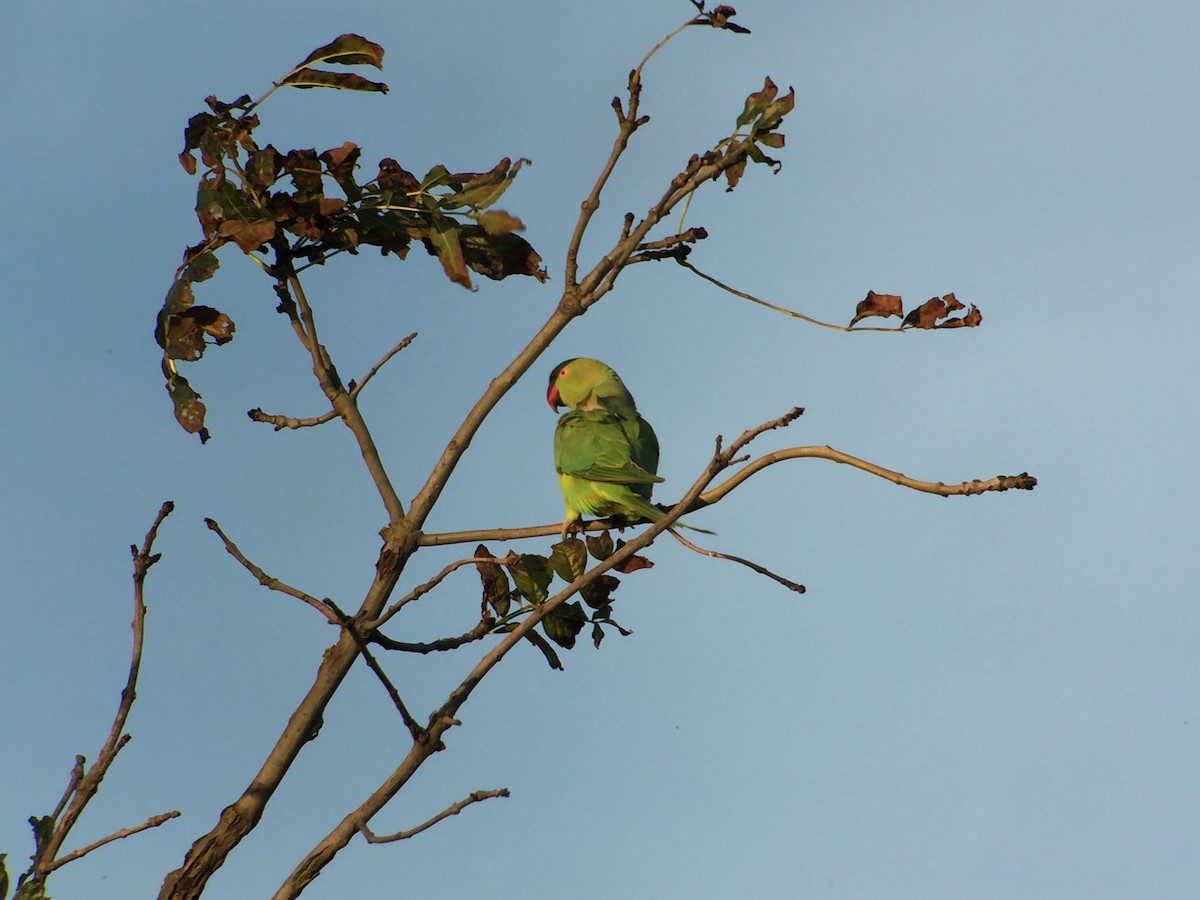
column 480, row 631
column 281, row 422
column 778, row 309
column 85, row 784
column 350, row 628
column 1022, row 482
column 454, row 810
column 268, row 581
column 356, row 388
column 152, row 822
column 790, row 585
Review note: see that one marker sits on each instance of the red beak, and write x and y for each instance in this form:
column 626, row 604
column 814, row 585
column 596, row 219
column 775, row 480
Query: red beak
column 552, row 397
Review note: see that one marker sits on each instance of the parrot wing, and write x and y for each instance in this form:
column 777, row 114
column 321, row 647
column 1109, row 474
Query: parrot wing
column 595, row 445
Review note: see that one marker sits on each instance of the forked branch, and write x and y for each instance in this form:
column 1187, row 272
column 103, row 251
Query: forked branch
column 51, row 831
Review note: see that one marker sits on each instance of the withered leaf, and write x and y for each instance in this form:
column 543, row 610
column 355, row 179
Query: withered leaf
column 348, row 50
column 496, row 592
column 925, row 315
column 497, row 256
column 306, row 171
column 600, row 545
column 394, row 177
column 249, row 236
column 341, row 161
column 189, row 410
column 970, row 320
column 882, row 305
column 634, row 563
column 598, row 594
column 563, row 623
column 497, row 221
column 346, row 81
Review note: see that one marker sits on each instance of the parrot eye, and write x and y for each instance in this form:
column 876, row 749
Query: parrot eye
column 562, row 372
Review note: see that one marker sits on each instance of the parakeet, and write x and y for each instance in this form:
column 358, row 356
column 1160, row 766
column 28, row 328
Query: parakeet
column 605, row 453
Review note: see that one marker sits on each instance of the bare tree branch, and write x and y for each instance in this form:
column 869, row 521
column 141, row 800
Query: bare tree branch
column 344, row 404
column 351, row 628
column 1022, row 482
column 761, row 570
column 84, row 783
column 152, row 822
column 356, row 389
column 444, row 718
column 480, row 631
column 475, row 797
column 268, row 581
column 281, row 422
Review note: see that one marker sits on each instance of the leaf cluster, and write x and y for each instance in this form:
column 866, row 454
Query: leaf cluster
column 531, row 577
column 289, row 209
column 930, row 314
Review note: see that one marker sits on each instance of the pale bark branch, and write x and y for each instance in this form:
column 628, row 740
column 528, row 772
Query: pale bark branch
column 761, row 570
column 269, row 581
column 475, row 797
column 1021, row 482
column 84, row 783
column 281, row 422
column 152, row 822
column 350, row 627
column 480, row 631
column 345, row 405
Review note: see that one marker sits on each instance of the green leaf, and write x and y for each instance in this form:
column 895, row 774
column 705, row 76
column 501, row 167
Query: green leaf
column 346, row 81
column 348, row 50
column 563, row 624
column 481, row 191
column 532, row 575
column 597, row 635
column 757, row 103
column 568, row 559
column 444, row 238
column 496, row 592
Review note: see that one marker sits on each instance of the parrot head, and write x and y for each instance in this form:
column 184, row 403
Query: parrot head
column 571, row 381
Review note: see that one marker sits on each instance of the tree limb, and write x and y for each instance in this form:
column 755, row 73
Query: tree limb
column 475, row 797
column 268, row 581
column 444, row 718
column 84, row 783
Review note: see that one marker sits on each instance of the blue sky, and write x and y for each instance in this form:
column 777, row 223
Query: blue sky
column 986, row 697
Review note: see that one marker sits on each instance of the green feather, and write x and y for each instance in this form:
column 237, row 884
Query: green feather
column 605, row 453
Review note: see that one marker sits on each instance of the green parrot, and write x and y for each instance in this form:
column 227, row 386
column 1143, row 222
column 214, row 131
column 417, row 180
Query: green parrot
column 605, row 453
